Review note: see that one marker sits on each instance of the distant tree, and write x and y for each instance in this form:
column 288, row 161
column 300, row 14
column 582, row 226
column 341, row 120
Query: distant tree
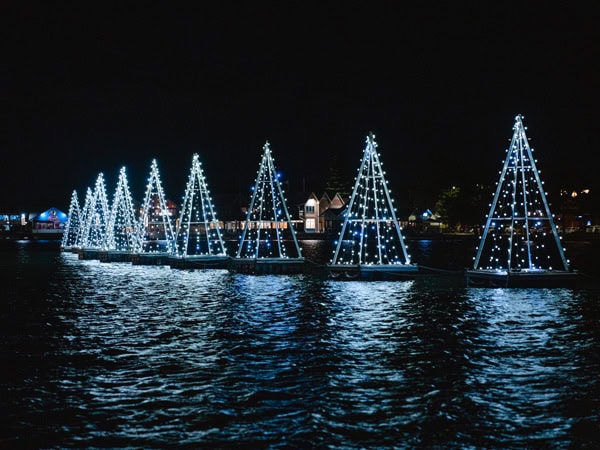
column 465, row 205
column 335, row 182
column 447, row 205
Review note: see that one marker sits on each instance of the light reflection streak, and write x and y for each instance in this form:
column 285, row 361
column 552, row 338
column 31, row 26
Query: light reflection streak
column 521, row 363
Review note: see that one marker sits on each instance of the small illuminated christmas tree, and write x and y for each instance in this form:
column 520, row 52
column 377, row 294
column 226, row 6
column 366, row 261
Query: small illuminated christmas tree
column 85, row 213
column 73, row 227
column 122, row 225
column 155, row 228
column 97, row 216
column 371, row 237
column 520, row 233
column 198, row 232
column 268, row 230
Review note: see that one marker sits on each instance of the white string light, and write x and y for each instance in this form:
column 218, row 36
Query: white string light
column 73, row 226
column 96, row 216
column 122, row 226
column 520, row 233
column 267, row 217
column 198, row 231
column 370, row 234
column 155, row 228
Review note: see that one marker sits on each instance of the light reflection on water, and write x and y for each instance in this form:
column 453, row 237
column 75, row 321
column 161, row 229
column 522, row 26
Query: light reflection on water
column 117, row 355
column 528, row 374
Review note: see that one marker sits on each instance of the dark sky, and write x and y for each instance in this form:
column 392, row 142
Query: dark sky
column 88, row 87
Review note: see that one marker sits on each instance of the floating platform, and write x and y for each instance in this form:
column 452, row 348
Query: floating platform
column 88, row 253
column 72, row 250
column 521, row 279
column 267, row 266
column 150, row 259
column 372, row 272
column 200, row 262
column 115, row 256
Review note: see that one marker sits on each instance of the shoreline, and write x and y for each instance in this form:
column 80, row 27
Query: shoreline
column 301, row 236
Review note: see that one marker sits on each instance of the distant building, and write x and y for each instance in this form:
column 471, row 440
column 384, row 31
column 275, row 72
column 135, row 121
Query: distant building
column 425, row 221
column 323, row 215
column 311, row 214
column 12, row 221
column 51, row 221
column 332, row 217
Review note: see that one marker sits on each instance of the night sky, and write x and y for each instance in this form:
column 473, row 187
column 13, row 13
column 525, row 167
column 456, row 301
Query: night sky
column 89, row 87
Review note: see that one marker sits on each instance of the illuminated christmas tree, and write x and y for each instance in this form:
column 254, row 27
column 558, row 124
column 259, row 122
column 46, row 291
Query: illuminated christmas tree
column 155, row 227
column 122, row 225
column 198, row 232
column 83, row 231
column 520, row 234
column 73, row 227
column 97, row 216
column 371, row 238
column 268, row 230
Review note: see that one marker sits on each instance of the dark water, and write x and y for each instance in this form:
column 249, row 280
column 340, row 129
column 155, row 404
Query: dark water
column 110, row 355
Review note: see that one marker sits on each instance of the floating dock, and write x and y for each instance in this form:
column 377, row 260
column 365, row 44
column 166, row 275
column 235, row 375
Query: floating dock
column 267, row 266
column 521, row 279
column 88, row 253
column 373, row 272
column 150, row 259
column 199, row 262
column 115, row 256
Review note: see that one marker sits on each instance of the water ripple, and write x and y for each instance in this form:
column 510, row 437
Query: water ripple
column 115, row 355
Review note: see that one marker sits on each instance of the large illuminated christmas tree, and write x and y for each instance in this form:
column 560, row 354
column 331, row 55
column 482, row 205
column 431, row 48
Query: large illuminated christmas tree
column 198, row 232
column 371, row 238
column 73, row 227
column 520, row 234
column 155, row 227
column 121, row 232
column 96, row 216
column 268, row 230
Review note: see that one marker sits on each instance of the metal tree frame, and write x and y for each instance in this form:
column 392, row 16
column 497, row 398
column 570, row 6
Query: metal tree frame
column 121, row 231
column 73, row 227
column 371, row 209
column 519, row 216
column 198, row 231
column 85, row 212
column 96, row 217
column 154, row 220
column 267, row 209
